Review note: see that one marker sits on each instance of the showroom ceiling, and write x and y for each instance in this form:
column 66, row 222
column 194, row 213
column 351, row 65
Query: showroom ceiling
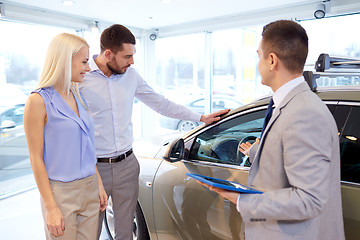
column 150, row 14
column 146, row 14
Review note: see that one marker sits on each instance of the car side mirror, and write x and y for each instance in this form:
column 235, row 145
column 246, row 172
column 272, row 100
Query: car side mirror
column 175, row 151
column 7, row 124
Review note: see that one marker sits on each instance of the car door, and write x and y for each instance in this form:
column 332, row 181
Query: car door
column 183, row 209
column 349, row 113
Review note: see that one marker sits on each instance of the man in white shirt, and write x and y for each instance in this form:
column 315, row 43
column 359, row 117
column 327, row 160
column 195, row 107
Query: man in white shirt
column 297, row 161
column 109, row 89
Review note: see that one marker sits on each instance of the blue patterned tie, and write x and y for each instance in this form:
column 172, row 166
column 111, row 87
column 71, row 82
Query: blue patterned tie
column 267, row 115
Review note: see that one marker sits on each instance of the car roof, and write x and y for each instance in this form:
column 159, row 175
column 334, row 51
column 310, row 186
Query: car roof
column 346, row 93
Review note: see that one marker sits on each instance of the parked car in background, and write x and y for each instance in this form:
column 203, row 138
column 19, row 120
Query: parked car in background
column 198, row 105
column 171, row 205
column 11, row 126
column 12, row 103
column 13, row 146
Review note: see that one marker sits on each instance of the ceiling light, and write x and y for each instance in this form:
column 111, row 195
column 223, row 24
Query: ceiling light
column 165, row 1
column 153, row 36
column 68, row 2
column 320, row 11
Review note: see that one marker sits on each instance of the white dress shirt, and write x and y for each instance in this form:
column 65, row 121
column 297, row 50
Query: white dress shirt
column 278, row 96
column 110, row 101
column 281, row 93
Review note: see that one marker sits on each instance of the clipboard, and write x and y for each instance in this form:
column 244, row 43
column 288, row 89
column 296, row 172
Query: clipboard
column 224, row 184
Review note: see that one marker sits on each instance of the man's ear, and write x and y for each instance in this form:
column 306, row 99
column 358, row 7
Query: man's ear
column 273, row 61
column 108, row 54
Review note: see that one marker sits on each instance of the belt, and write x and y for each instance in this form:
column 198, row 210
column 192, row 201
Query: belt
column 117, row 158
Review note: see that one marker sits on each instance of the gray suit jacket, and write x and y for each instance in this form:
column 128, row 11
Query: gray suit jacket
column 297, row 164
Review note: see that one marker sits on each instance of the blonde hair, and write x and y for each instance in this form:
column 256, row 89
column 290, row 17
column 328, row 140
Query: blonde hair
column 58, row 60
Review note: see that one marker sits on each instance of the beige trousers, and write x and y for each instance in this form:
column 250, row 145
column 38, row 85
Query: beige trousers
column 79, row 203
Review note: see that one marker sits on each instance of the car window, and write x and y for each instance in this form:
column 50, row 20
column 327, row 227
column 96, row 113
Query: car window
column 220, row 143
column 350, row 148
column 340, row 114
column 331, row 107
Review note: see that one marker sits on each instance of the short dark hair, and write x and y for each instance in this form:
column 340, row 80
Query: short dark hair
column 289, row 41
column 114, row 36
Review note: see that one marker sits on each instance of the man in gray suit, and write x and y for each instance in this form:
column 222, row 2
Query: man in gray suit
column 297, row 161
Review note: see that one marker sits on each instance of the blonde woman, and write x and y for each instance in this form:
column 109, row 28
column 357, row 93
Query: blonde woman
column 60, row 135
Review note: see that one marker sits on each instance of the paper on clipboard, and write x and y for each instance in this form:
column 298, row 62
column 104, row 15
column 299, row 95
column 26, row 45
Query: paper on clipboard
column 224, row 184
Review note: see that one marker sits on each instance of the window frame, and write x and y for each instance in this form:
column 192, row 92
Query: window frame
column 191, row 138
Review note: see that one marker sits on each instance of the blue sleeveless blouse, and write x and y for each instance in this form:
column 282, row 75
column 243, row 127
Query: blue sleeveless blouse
column 69, row 148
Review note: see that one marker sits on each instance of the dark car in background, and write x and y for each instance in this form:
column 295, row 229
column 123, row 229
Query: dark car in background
column 219, row 102
column 171, row 205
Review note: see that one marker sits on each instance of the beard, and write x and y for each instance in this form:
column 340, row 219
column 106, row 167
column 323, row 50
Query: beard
column 114, row 70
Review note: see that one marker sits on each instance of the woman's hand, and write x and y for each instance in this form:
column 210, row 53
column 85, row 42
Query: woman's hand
column 102, row 193
column 103, row 197
column 55, row 222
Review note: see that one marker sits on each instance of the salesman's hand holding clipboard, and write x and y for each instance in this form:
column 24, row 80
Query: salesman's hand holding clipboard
column 232, row 196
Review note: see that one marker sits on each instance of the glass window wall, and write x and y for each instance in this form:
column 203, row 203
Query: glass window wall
column 22, row 53
column 233, row 78
column 180, row 75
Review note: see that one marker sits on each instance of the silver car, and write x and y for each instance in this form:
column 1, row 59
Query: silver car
column 171, row 205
